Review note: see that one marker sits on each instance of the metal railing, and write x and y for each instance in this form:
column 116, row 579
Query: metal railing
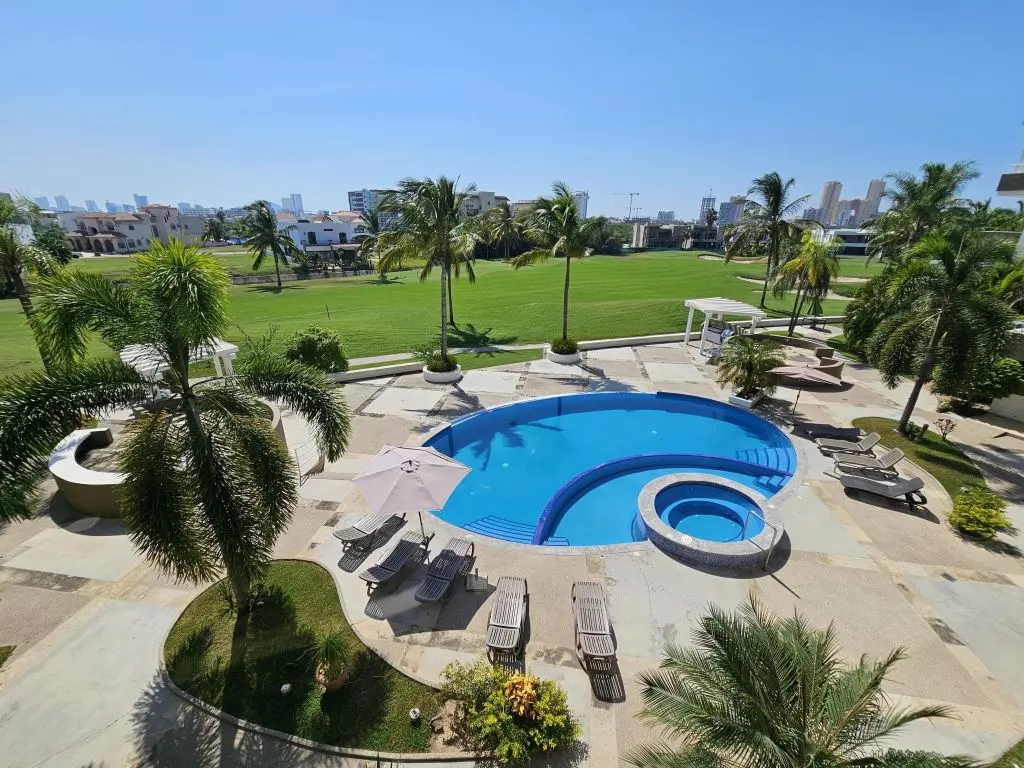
column 775, row 535
column 302, row 453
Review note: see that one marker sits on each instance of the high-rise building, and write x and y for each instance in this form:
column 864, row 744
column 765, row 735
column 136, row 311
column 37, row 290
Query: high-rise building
column 62, row 203
column 666, row 217
column 296, row 201
column 91, row 207
column 706, row 204
column 361, row 200
column 812, row 214
column 729, row 213
column 183, row 206
column 829, row 203
column 127, row 208
column 872, row 200
column 286, row 203
column 140, row 200
column 581, row 198
column 856, row 212
column 112, row 207
column 42, row 202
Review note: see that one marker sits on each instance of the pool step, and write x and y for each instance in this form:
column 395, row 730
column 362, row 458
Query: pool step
column 771, row 482
column 773, row 458
column 510, row 530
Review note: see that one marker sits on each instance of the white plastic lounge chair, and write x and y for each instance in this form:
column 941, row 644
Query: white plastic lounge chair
column 363, row 532
column 883, row 465
column 864, row 445
column 450, row 562
column 899, row 489
column 412, row 545
column 593, row 626
column 508, row 614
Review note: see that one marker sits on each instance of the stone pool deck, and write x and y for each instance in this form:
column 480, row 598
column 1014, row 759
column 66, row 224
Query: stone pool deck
column 88, row 614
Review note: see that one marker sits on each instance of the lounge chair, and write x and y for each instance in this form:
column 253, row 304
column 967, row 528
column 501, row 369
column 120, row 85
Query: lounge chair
column 884, row 465
column 907, row 488
column 451, row 561
column 412, row 544
column 593, row 627
column 508, row 614
column 363, row 533
column 864, row 445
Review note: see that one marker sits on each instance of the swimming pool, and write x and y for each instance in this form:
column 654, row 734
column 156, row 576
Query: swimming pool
column 567, row 470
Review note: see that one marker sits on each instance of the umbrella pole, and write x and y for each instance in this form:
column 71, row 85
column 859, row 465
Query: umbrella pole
column 798, row 391
column 422, row 531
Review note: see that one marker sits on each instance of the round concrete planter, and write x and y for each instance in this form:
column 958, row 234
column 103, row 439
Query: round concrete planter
column 442, row 377
column 554, row 357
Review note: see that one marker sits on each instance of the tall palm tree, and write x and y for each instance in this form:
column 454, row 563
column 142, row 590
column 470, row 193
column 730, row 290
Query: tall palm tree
column 811, row 272
column 711, row 217
column 919, row 206
column 765, row 222
column 756, row 691
column 503, row 228
column 208, row 484
column 214, row 230
column 555, row 223
column 429, row 228
column 941, row 310
column 263, row 237
column 16, row 258
column 372, row 227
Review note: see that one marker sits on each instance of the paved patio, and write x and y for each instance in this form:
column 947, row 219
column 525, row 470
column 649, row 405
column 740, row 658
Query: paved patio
column 88, row 615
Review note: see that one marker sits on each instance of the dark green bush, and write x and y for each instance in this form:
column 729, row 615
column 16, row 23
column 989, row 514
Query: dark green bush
column 317, row 348
column 564, row 347
column 980, row 513
column 434, row 361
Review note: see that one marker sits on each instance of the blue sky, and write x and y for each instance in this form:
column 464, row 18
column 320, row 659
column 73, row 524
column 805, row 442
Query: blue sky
column 223, row 102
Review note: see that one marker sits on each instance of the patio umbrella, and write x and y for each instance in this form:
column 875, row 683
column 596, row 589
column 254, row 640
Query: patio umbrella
column 403, row 479
column 805, row 375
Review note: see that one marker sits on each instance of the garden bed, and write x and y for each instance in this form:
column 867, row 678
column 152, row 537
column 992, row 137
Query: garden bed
column 240, row 667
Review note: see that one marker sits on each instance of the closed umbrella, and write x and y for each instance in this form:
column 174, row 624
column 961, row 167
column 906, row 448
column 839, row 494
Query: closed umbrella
column 804, row 375
column 403, row 479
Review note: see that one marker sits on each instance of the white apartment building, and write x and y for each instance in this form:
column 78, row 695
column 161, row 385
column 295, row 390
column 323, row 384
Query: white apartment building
column 337, row 228
column 481, row 202
column 129, row 232
column 581, row 199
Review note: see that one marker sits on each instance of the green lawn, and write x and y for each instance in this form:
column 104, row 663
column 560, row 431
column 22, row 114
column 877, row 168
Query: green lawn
column 5, row 653
column 848, row 267
column 1014, row 757
column 947, row 463
column 241, row 668
column 611, row 296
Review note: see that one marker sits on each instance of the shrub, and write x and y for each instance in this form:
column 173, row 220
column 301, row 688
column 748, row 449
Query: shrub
column 564, row 346
column 980, row 513
column 509, row 716
column 432, row 358
column 746, row 363
column 987, row 381
column 317, row 348
column 945, row 426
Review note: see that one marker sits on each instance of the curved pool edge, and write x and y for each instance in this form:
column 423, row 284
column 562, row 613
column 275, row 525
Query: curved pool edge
column 704, row 552
column 788, row 491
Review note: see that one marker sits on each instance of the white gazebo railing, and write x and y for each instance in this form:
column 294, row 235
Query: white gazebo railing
column 149, row 362
column 716, row 308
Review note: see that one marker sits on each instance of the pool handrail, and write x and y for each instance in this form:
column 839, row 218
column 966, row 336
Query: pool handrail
column 775, row 534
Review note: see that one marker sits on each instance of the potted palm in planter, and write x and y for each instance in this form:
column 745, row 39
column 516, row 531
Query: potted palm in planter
column 328, row 654
column 439, row 367
column 745, row 365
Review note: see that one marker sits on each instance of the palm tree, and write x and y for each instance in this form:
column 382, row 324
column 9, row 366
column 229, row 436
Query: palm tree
column 555, row 224
column 764, row 223
column 756, row 691
column 941, row 309
column 371, row 230
column 503, row 228
column 711, row 217
column 263, row 236
column 811, row 271
column 429, row 228
column 214, row 230
column 15, row 259
column 208, row 484
column 745, row 364
column 919, row 206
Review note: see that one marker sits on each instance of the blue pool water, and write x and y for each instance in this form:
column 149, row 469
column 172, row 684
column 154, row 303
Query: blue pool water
column 567, row 470
column 710, row 512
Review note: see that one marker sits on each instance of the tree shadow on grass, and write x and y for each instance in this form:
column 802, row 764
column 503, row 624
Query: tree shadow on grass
column 384, row 280
column 352, row 714
column 271, row 288
column 469, row 335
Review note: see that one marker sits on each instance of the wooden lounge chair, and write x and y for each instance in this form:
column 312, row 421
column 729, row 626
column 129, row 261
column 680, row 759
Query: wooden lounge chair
column 450, row 562
column 362, row 533
column 412, row 545
column 508, row 615
column 899, row 489
column 883, row 465
column 593, row 627
column 864, row 445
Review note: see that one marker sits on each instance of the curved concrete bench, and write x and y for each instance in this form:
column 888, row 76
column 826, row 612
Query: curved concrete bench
column 88, row 491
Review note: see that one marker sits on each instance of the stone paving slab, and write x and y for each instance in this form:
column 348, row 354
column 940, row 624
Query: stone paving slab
column 547, row 368
column 30, row 614
column 495, row 382
column 108, row 556
column 406, row 403
column 612, row 353
column 674, row 372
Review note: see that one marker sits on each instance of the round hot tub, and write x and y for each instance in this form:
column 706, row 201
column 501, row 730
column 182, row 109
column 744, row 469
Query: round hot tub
column 709, row 520
column 709, row 511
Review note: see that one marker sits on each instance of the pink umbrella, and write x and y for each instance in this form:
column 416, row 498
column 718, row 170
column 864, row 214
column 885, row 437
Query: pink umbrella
column 403, row 479
column 804, row 375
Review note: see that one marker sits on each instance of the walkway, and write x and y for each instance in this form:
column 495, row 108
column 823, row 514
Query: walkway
column 89, row 616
